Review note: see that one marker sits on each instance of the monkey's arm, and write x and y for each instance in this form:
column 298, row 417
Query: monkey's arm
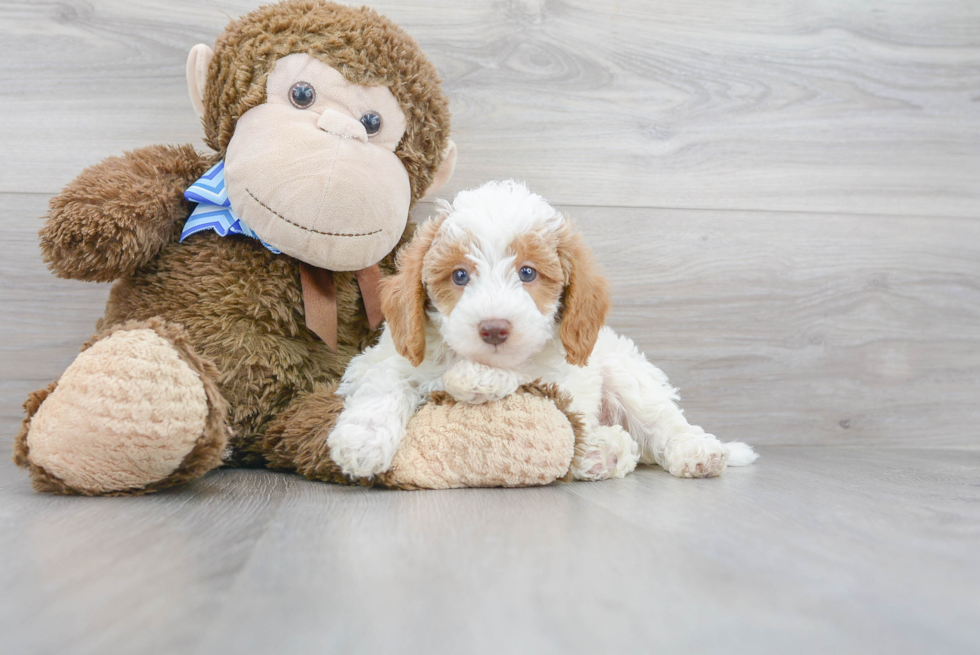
column 117, row 215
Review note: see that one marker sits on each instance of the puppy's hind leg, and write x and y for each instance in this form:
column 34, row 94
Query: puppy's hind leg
column 638, row 396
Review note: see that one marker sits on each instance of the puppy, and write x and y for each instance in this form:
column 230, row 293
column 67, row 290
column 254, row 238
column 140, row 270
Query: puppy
column 495, row 291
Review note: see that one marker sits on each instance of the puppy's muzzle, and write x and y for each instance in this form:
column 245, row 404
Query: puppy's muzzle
column 495, row 331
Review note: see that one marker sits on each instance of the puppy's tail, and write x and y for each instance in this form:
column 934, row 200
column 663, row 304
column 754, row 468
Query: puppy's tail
column 740, row 454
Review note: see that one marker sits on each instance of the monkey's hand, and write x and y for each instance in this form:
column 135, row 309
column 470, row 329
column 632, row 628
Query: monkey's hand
column 474, row 383
column 118, row 214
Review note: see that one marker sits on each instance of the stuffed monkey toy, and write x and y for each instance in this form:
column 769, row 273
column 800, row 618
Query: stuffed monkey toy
column 244, row 280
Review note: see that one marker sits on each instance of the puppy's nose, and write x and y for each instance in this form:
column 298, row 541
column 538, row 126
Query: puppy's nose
column 494, row 331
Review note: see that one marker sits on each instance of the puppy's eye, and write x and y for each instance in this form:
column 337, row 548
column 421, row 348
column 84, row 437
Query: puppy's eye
column 527, row 274
column 302, row 95
column 461, row 277
column 371, row 122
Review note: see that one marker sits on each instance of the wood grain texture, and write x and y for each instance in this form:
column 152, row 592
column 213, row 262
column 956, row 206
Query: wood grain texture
column 778, row 328
column 799, row 328
column 45, row 320
column 828, row 106
column 813, row 550
column 116, row 577
column 848, row 318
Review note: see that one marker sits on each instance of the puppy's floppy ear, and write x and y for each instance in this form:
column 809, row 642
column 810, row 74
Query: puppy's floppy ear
column 586, row 298
column 403, row 295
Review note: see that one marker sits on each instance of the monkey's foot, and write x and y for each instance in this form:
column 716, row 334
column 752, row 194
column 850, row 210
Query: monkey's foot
column 134, row 412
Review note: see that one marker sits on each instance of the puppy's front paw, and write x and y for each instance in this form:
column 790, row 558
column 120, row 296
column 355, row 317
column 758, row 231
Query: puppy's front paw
column 699, row 456
column 606, row 452
column 363, row 450
column 474, row 383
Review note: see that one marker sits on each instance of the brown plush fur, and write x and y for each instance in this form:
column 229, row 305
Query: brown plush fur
column 117, row 215
column 296, row 440
column 364, row 46
column 239, row 305
column 243, row 309
column 40, row 478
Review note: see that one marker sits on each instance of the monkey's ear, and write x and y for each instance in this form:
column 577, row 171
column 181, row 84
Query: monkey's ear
column 197, row 75
column 445, row 171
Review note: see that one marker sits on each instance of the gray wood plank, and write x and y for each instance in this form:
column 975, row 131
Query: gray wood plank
column 778, row 328
column 105, row 575
column 802, row 328
column 871, row 543
column 811, row 550
column 834, row 106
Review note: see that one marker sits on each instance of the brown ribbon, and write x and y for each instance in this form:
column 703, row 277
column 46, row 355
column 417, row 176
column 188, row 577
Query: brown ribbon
column 369, row 280
column 320, row 299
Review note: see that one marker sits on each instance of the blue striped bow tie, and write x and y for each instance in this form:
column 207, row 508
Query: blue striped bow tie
column 213, row 211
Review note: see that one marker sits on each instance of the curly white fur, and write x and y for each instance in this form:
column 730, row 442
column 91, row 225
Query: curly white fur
column 630, row 412
column 368, row 431
column 476, row 383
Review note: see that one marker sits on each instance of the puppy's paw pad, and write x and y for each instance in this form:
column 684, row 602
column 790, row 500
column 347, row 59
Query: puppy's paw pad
column 608, row 452
column 597, row 465
column 601, row 468
column 697, row 457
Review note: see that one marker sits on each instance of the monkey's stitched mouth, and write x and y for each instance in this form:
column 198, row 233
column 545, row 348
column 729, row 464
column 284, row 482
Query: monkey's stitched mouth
column 308, row 229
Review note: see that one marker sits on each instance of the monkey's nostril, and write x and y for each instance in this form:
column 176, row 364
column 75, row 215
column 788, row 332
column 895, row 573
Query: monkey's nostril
column 494, row 332
column 338, row 124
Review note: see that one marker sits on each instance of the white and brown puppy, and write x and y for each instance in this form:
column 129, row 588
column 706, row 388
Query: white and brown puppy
column 498, row 290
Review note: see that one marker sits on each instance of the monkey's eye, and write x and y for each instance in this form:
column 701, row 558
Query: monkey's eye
column 372, row 123
column 461, row 277
column 302, row 95
column 527, row 274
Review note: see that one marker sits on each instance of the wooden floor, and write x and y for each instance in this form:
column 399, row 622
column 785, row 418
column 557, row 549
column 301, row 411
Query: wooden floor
column 786, row 197
column 815, row 550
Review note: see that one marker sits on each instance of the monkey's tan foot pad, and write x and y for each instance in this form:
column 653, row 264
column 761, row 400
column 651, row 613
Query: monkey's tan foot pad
column 123, row 416
column 525, row 439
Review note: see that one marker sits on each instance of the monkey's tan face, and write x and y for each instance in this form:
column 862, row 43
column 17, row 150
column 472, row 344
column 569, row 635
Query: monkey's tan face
column 313, row 170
